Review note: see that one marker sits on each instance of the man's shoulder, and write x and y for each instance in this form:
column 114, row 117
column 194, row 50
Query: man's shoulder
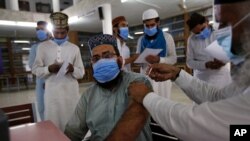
column 45, row 43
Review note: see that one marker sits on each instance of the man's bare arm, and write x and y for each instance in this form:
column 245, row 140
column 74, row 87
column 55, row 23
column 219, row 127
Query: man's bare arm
column 131, row 123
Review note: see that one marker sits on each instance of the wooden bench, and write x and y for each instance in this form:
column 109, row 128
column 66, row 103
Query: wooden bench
column 20, row 114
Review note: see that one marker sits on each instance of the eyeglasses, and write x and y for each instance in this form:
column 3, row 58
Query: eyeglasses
column 105, row 55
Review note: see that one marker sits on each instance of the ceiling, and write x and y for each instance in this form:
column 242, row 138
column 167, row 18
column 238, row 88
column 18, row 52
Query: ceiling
column 132, row 10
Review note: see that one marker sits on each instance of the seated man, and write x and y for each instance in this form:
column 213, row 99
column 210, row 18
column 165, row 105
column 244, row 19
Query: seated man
column 106, row 102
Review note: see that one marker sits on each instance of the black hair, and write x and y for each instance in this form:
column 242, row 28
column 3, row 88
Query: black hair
column 156, row 20
column 42, row 23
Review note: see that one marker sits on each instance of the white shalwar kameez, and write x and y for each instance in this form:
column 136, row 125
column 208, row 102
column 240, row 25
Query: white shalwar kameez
column 61, row 95
column 208, row 121
column 197, row 58
column 124, row 52
column 162, row 88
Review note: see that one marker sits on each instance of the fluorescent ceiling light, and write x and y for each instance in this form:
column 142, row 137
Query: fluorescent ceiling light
column 165, row 29
column 27, row 24
column 140, row 32
column 124, row 1
column 25, row 48
column 3, row 22
column 21, row 41
column 211, row 22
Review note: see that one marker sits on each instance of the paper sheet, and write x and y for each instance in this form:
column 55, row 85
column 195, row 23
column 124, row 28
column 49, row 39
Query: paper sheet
column 63, row 70
column 145, row 53
column 216, row 51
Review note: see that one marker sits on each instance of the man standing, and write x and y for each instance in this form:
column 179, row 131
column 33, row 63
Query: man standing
column 205, row 67
column 154, row 38
column 61, row 88
column 42, row 34
column 218, row 109
column 121, row 32
column 104, row 103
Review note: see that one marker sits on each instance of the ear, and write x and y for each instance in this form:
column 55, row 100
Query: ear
column 115, row 30
column 120, row 62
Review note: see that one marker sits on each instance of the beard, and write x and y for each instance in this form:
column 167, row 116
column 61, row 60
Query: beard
column 111, row 84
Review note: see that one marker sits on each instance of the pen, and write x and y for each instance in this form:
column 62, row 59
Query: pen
column 149, row 71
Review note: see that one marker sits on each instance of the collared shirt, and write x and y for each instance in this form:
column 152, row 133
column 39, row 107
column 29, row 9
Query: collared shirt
column 210, row 120
column 100, row 109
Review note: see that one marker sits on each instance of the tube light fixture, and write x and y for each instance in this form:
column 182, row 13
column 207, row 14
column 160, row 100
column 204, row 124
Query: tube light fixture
column 165, row 29
column 139, row 32
column 4, row 22
column 25, row 48
column 211, row 22
column 27, row 24
column 22, row 41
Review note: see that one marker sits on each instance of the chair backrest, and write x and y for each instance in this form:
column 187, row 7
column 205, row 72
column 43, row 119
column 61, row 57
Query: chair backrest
column 159, row 134
column 19, row 114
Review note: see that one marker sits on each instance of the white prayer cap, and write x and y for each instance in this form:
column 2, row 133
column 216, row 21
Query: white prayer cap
column 150, row 14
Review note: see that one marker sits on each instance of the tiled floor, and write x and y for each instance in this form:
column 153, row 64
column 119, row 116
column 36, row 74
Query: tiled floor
column 28, row 96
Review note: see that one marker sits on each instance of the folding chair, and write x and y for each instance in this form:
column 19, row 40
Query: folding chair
column 20, row 114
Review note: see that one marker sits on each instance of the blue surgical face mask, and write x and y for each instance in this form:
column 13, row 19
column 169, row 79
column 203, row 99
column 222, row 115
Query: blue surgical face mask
column 106, row 70
column 150, row 31
column 124, row 32
column 205, row 33
column 41, row 35
column 60, row 41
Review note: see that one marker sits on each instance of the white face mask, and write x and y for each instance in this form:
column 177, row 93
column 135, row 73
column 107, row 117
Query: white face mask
column 221, row 47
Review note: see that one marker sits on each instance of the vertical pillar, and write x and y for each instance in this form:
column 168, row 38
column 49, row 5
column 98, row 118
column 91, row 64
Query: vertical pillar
column 32, row 6
column 75, row 2
column 107, row 19
column 73, row 37
column 12, row 5
column 56, row 5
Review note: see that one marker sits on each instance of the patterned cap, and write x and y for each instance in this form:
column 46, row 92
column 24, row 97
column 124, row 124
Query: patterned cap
column 117, row 20
column 226, row 1
column 102, row 39
column 59, row 20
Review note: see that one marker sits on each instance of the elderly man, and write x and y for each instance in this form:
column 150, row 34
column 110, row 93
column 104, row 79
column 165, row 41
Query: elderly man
column 218, row 109
column 42, row 34
column 105, row 102
column 61, row 88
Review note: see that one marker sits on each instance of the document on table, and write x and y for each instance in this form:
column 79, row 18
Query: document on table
column 145, row 53
column 216, row 51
